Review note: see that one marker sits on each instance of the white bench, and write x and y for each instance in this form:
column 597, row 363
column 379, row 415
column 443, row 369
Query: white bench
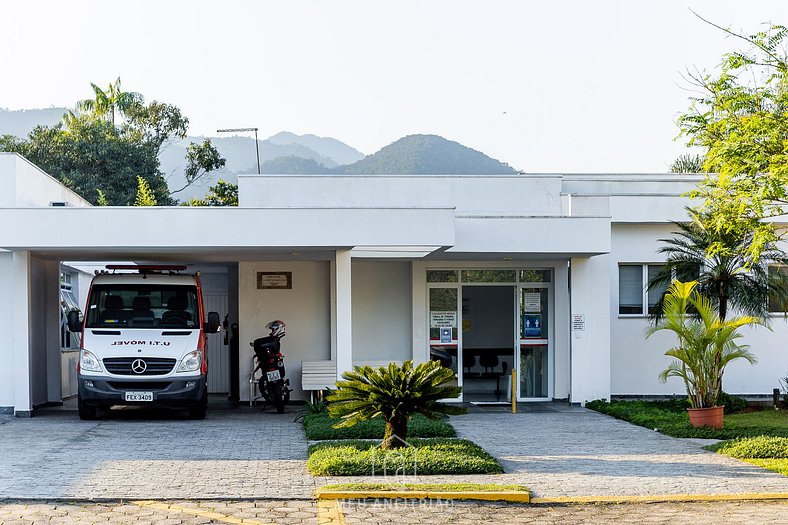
column 322, row 375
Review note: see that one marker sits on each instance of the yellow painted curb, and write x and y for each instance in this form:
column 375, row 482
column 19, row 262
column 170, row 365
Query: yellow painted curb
column 511, row 496
column 329, row 513
column 660, row 498
column 214, row 516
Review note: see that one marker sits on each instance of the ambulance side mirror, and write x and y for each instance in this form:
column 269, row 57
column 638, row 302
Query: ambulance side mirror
column 74, row 320
column 214, row 324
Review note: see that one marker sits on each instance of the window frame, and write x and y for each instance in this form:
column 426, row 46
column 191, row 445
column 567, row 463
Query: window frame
column 644, row 302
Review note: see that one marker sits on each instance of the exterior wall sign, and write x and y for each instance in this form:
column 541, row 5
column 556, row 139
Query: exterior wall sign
column 275, row 280
column 578, row 322
column 532, row 302
column 441, row 319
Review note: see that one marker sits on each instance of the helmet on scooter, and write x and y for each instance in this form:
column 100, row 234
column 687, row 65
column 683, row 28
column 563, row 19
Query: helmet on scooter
column 277, row 328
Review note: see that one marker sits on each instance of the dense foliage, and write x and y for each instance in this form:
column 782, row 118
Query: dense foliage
column 422, row 457
column 321, row 426
column 730, row 277
column 223, row 193
column 394, row 393
column 111, row 140
column 739, row 119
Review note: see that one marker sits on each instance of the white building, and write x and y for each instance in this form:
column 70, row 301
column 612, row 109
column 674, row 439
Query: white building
column 486, row 273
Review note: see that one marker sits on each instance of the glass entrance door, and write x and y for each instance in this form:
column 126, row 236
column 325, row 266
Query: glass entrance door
column 488, row 352
column 444, row 328
column 535, row 341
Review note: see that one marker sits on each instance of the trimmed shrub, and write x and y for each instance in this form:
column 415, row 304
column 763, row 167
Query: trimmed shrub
column 422, row 457
column 320, row 427
column 762, row 447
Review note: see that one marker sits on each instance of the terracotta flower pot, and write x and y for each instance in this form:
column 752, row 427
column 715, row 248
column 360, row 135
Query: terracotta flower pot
column 706, row 417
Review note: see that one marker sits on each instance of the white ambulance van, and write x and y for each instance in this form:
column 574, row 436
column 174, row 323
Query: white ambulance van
column 143, row 340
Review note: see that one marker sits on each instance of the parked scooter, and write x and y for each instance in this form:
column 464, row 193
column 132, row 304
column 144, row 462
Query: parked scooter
column 274, row 388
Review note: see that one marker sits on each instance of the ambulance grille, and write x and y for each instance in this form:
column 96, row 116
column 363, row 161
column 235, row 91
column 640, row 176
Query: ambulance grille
column 154, row 366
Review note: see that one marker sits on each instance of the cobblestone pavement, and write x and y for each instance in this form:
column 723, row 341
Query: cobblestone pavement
column 557, row 450
column 240, row 454
column 312, row 512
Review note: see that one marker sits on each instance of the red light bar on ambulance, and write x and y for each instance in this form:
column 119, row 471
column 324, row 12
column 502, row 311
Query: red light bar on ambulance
column 148, row 267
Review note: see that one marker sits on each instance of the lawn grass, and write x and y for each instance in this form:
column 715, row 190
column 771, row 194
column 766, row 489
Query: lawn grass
column 320, row 427
column 422, row 457
column 670, row 418
column 431, row 487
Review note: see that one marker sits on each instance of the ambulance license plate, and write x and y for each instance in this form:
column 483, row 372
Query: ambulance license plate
column 273, row 375
column 139, row 396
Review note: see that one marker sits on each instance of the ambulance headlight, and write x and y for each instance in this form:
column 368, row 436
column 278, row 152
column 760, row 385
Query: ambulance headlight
column 88, row 362
column 191, row 362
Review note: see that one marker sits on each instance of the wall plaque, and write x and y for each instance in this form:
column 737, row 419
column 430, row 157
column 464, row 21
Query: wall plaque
column 274, row 280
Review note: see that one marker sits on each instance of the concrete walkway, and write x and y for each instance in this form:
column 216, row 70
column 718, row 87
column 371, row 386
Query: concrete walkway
column 554, row 449
column 561, row 451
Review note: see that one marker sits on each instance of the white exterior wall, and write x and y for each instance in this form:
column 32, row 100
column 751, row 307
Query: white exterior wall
column 305, row 309
column 636, row 361
column 591, row 358
column 505, row 194
column 381, row 311
column 6, row 335
column 26, row 185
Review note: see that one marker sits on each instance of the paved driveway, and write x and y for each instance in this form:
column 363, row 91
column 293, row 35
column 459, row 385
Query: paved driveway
column 241, row 453
column 554, row 449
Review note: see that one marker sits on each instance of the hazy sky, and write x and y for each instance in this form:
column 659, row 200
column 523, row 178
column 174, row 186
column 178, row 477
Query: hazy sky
column 551, row 86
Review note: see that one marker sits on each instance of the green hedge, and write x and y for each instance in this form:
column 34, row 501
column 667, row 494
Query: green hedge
column 319, row 427
column 762, row 447
column 670, row 418
column 424, row 457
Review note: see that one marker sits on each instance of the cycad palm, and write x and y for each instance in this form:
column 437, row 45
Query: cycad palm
column 706, row 342
column 394, row 393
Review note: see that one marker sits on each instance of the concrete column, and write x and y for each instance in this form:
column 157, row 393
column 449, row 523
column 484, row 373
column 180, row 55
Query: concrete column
column 343, row 318
column 421, row 351
column 50, row 312
column 20, row 325
column 590, row 340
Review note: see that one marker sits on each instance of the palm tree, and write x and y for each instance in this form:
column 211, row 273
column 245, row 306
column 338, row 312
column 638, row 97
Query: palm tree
column 721, row 263
column 394, row 393
column 106, row 103
column 706, row 342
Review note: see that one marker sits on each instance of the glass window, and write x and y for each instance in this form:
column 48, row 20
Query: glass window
column 489, row 276
column 655, row 294
column 778, row 281
column 630, row 289
column 442, row 276
column 535, row 276
column 142, row 306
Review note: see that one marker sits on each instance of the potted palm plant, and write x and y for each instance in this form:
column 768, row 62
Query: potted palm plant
column 394, row 393
column 706, row 344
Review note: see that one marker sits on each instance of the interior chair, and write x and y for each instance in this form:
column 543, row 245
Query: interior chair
column 468, row 362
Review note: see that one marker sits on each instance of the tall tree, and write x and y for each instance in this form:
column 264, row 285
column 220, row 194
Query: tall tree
column 222, row 194
column 96, row 156
column 739, row 119
column 106, row 103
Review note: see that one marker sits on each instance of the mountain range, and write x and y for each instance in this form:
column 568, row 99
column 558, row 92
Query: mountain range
column 288, row 153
